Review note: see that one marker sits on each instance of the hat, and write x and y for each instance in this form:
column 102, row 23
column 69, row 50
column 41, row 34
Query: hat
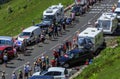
column 20, row 70
column 28, row 62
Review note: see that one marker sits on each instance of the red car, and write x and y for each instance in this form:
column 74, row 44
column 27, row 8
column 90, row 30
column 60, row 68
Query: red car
column 9, row 50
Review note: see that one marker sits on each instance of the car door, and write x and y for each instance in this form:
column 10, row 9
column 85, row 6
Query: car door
column 10, row 51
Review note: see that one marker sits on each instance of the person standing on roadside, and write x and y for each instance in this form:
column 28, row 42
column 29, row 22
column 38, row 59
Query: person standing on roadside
column 47, row 62
column 55, row 54
column 5, row 58
column 3, row 75
column 14, row 76
column 20, row 74
column 29, row 69
column 26, row 71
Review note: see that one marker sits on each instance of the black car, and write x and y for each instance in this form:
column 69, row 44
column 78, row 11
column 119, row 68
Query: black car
column 74, row 57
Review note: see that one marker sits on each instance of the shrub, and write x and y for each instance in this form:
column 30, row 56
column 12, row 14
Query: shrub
column 9, row 9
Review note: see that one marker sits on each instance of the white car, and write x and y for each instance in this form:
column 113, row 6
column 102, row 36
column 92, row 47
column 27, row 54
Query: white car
column 56, row 72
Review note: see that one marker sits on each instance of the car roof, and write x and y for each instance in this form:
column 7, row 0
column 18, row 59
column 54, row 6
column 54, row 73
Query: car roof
column 60, row 69
column 30, row 29
column 5, row 38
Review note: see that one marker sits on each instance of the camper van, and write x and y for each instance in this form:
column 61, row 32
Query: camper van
column 108, row 22
column 91, row 39
column 54, row 13
column 29, row 34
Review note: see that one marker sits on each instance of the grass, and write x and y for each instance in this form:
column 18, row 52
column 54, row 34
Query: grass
column 23, row 13
column 106, row 66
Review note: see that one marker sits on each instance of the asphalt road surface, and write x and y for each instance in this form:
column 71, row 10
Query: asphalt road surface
column 80, row 24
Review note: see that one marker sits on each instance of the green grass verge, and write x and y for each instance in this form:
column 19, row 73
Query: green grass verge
column 23, row 12
column 106, row 66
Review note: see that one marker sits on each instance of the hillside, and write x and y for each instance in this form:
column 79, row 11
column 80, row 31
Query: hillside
column 17, row 14
column 105, row 66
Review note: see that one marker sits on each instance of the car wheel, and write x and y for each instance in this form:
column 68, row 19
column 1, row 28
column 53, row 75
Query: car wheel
column 66, row 65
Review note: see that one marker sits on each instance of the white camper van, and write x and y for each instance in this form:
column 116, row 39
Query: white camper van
column 30, row 34
column 108, row 22
column 54, row 12
column 91, row 37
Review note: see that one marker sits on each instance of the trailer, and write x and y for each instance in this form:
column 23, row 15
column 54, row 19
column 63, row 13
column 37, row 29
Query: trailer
column 91, row 39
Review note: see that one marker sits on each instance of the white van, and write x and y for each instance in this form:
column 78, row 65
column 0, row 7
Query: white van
column 108, row 22
column 91, row 37
column 30, row 34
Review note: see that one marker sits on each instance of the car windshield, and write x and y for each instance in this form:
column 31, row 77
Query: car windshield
column 81, row 41
column 53, row 73
column 48, row 17
column 25, row 34
column 5, row 42
column 69, row 54
column 105, row 24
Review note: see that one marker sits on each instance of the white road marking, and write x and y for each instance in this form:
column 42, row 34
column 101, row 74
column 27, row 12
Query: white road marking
column 40, row 55
column 54, row 46
column 67, row 38
column 19, row 67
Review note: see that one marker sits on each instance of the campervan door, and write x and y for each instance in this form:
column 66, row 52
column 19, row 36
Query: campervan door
column 108, row 26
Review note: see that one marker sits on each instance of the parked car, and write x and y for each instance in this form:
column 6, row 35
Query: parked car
column 73, row 57
column 6, row 44
column 56, row 72
column 10, row 52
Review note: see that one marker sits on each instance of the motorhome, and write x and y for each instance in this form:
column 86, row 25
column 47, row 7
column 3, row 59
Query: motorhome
column 108, row 22
column 91, row 39
column 29, row 34
column 54, row 13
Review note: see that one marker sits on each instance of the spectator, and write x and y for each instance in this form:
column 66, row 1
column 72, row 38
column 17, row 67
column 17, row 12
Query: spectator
column 29, row 68
column 55, row 54
column 67, row 44
column 15, row 52
column 26, row 71
column 5, row 58
column 20, row 74
column 47, row 62
column 14, row 76
column 43, row 58
column 60, row 50
column 3, row 75
column 43, row 66
column 53, row 62
column 36, row 67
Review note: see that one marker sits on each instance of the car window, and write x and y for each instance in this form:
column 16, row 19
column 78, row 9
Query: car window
column 76, row 55
column 66, row 71
column 49, row 73
column 9, row 48
column 57, row 73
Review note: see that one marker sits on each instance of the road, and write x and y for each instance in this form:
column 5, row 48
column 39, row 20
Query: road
column 80, row 24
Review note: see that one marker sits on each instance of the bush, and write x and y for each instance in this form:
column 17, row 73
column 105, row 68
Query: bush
column 9, row 9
